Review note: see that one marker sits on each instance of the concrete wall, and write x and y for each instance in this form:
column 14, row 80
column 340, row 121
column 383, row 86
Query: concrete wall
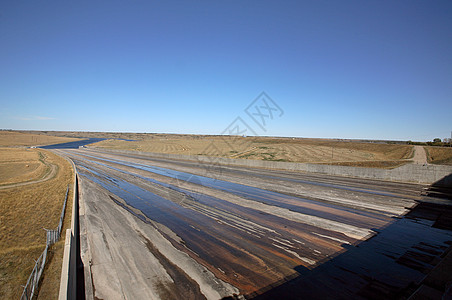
column 414, row 173
column 75, row 282
column 68, row 278
column 64, row 280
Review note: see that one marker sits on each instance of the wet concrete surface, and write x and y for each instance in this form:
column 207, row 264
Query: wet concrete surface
column 265, row 234
column 297, row 204
column 390, row 265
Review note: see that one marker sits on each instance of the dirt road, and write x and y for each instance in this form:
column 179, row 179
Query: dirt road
column 420, row 156
column 160, row 229
column 50, row 173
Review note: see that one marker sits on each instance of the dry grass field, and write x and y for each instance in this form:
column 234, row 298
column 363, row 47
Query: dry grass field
column 275, row 149
column 323, row 151
column 14, row 139
column 25, row 211
column 439, row 155
column 92, row 134
column 21, row 165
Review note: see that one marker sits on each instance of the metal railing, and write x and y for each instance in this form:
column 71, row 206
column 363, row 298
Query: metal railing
column 53, row 236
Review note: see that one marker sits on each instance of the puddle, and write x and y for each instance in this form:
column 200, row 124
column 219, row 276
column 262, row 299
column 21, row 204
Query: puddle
column 222, row 240
column 305, row 206
column 271, row 257
column 73, row 145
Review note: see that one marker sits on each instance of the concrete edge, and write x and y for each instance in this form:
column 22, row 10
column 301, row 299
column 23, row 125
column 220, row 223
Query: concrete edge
column 85, row 253
column 68, row 281
column 409, row 173
column 65, row 266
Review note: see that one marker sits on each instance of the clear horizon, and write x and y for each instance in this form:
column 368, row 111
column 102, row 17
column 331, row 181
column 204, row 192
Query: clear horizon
column 351, row 70
column 176, row 133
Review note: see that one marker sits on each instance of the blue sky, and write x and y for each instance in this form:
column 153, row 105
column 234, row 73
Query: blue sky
column 337, row 69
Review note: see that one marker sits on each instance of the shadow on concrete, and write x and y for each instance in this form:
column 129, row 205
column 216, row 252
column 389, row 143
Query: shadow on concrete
column 390, row 265
column 76, row 279
column 441, row 189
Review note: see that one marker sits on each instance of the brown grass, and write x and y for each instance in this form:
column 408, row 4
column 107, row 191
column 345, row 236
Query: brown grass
column 21, row 165
column 14, row 138
column 25, row 211
column 274, row 149
column 383, row 164
column 439, row 155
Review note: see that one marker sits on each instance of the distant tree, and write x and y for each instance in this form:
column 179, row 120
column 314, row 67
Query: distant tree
column 437, row 140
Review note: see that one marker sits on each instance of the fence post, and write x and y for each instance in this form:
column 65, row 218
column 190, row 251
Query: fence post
column 52, row 236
